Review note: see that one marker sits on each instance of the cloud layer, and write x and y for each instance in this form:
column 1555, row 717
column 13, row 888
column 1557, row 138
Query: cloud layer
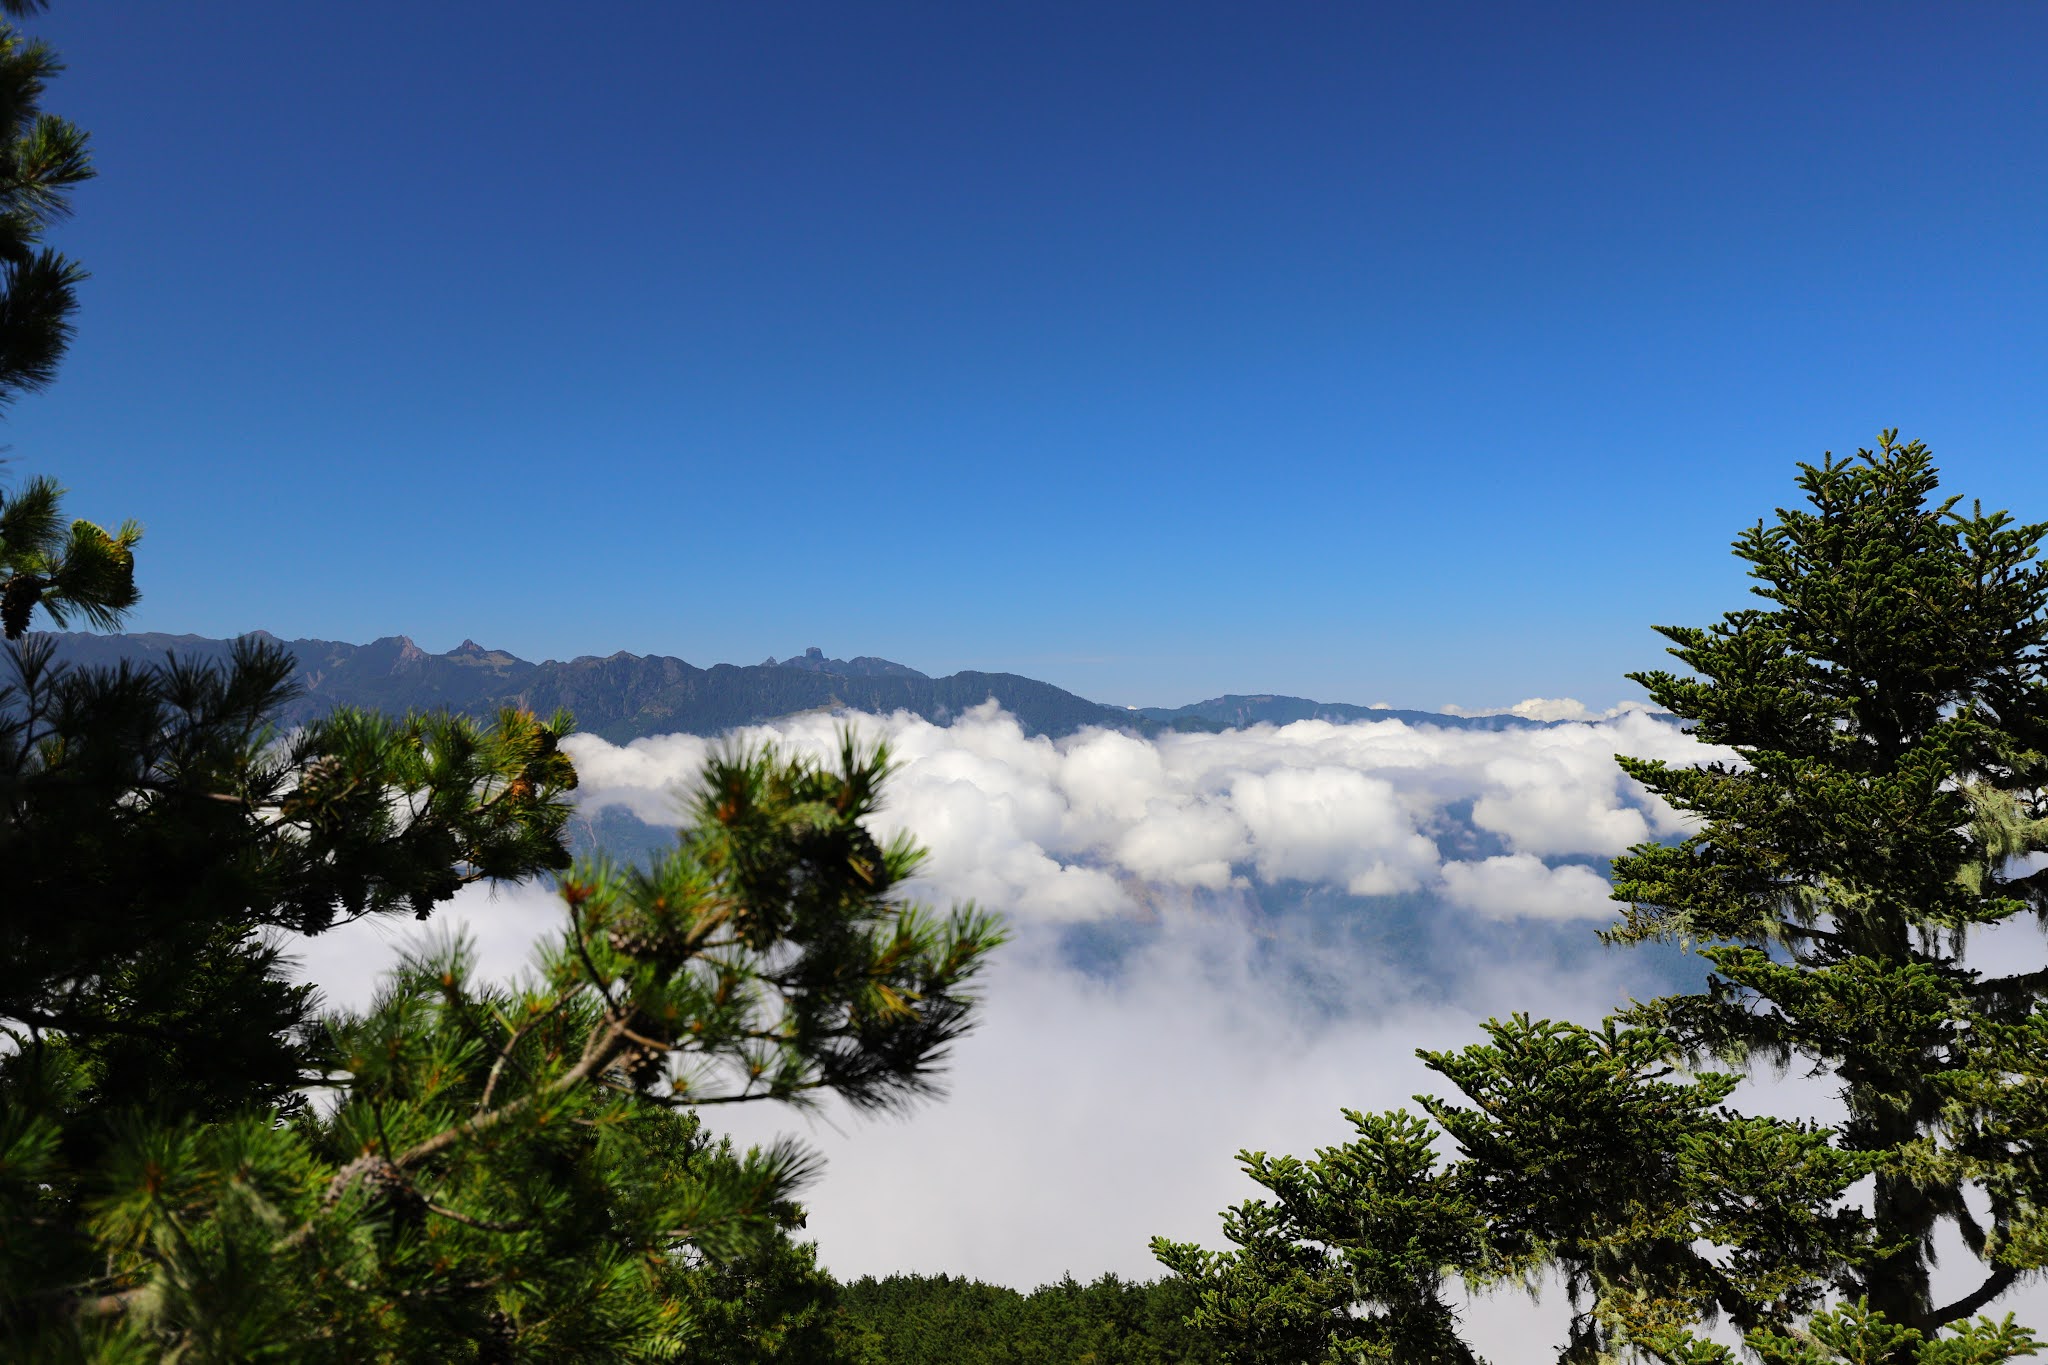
column 1096, row 825
column 1089, row 1112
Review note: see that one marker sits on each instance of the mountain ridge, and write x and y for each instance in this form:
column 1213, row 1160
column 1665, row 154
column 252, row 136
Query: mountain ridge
column 625, row 696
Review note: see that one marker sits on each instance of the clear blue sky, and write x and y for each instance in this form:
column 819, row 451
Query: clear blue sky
column 1424, row 353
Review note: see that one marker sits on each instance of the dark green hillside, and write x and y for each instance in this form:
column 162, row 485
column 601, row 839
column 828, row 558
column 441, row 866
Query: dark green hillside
column 943, row 1320
column 391, row 674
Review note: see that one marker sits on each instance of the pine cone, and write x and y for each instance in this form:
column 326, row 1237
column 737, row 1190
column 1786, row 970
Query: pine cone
column 315, row 781
column 634, row 942
column 645, row 1067
column 319, row 771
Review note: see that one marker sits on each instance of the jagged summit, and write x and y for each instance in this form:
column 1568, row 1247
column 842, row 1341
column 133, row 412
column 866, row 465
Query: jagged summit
column 813, row 660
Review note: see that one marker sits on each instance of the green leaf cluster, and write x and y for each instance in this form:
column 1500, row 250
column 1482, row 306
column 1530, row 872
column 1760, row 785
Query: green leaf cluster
column 1854, row 1334
column 80, row 571
column 774, row 947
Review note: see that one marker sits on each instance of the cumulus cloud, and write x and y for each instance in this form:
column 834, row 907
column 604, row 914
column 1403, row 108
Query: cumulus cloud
column 1088, row 827
column 1524, row 882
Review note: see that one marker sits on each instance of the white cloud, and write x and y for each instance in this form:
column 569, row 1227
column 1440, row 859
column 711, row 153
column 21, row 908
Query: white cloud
column 1089, row 826
column 1519, row 884
column 1331, row 825
column 1531, row 708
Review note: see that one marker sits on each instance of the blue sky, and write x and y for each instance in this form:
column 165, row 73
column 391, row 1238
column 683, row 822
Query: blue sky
column 1369, row 352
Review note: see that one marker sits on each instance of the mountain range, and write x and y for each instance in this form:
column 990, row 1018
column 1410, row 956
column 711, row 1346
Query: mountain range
column 624, row 696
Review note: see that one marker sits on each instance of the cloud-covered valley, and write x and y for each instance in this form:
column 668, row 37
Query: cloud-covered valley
column 1221, row 940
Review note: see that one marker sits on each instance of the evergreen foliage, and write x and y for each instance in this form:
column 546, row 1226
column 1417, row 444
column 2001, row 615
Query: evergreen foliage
column 161, row 830
column 1890, row 711
column 512, row 1172
column 42, row 157
column 944, row 1320
column 79, row 570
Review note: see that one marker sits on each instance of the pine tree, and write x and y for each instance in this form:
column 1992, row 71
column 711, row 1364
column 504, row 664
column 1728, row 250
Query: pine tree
column 195, row 1165
column 517, row 1172
column 155, row 831
column 78, row 570
column 1890, row 712
column 42, row 157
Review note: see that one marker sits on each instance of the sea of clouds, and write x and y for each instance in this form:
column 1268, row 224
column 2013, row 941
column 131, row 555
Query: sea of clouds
column 1289, row 914
column 1101, row 823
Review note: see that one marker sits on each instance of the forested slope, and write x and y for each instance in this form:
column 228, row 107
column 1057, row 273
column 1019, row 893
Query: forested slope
column 947, row 1320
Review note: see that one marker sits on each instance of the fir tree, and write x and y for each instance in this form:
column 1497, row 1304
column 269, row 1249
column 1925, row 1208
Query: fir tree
column 1890, row 713
column 946, row 1320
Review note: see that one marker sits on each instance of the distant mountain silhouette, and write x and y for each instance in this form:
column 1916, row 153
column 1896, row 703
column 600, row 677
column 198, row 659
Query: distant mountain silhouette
column 1234, row 712
column 618, row 697
column 624, row 696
